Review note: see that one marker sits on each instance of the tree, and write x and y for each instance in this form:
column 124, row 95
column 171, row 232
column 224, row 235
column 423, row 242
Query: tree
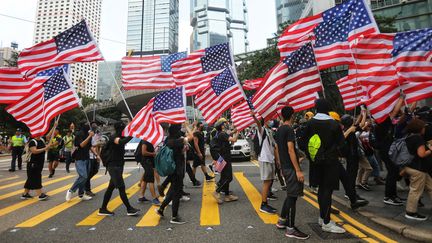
column 386, row 24
column 13, row 61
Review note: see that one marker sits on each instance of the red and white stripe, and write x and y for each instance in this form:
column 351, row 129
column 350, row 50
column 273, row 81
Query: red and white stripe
column 188, row 72
column 141, row 73
column 252, row 84
column 145, row 126
column 414, row 66
column 241, row 116
column 298, row 103
column 352, row 92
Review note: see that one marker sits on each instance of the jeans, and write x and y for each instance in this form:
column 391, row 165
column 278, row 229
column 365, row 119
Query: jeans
column 375, row 166
column 16, row 154
column 392, row 175
column 93, row 170
column 225, row 178
column 68, row 158
column 116, row 181
column 419, row 182
column 82, row 167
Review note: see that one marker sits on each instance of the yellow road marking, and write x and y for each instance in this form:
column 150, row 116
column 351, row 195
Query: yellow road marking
column 209, row 209
column 10, row 194
column 255, row 162
column 27, row 202
column 58, row 209
column 94, row 218
column 255, row 198
column 10, row 178
column 151, row 219
column 17, row 183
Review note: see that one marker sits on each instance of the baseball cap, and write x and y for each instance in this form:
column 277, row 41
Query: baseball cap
column 335, row 116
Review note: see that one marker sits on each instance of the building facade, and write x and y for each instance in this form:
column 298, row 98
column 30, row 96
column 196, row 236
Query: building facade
column 105, row 82
column 6, row 54
column 55, row 16
column 215, row 22
column 289, row 10
column 158, row 27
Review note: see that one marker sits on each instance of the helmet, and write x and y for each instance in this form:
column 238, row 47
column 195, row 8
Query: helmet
column 335, row 116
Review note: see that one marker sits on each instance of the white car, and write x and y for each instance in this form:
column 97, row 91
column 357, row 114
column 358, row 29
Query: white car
column 131, row 147
column 241, row 149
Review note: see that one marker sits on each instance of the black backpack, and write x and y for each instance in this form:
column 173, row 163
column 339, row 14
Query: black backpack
column 257, row 145
column 138, row 153
column 215, row 147
column 106, row 152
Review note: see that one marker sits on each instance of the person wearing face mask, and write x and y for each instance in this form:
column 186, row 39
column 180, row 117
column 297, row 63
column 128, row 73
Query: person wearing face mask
column 94, row 162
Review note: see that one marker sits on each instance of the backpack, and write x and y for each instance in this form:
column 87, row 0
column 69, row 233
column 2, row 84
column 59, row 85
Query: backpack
column 106, row 152
column 164, row 161
column 313, row 147
column 138, row 153
column 257, row 145
column 27, row 153
column 399, row 153
column 215, row 147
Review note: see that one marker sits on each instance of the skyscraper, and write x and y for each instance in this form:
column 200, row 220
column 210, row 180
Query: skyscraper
column 215, row 22
column 289, row 10
column 157, row 31
column 55, row 16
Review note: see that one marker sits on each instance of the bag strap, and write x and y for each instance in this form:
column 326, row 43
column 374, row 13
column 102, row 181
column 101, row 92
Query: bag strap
column 263, row 138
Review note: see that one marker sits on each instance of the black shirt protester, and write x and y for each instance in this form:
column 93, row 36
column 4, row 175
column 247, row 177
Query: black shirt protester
column 225, row 146
column 413, row 142
column 82, row 153
column 201, row 142
column 284, row 135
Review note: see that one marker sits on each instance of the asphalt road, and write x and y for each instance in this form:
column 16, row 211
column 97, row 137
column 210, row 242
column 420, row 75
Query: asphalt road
column 56, row 221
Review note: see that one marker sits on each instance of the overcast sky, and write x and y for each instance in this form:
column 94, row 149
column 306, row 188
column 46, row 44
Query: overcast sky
column 262, row 24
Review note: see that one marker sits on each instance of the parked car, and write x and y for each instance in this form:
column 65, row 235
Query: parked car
column 130, row 148
column 241, row 149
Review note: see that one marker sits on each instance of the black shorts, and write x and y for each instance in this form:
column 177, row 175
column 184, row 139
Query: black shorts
column 148, row 171
column 53, row 156
column 198, row 162
column 294, row 187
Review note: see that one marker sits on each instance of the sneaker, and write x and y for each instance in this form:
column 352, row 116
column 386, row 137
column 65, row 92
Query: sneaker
column 26, row 196
column 296, row 234
column 185, row 198
column 334, row 211
column 364, row 187
column 218, row 198
column 132, row 211
column 142, row 200
column 156, row 202
column 85, row 197
column 320, row 221
column 50, row 175
column 161, row 190
column 11, row 170
column 392, row 201
column 272, row 197
column 196, row 184
column 415, row 216
column 185, row 193
column 230, row 198
column 42, row 197
column 69, row 195
column 105, row 212
column 359, row 204
column 159, row 212
column 331, row 227
column 265, row 208
column 177, row 220
column 281, row 224
column 209, row 178
column 90, row 193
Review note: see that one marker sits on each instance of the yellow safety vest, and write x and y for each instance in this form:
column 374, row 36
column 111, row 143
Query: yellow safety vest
column 17, row 141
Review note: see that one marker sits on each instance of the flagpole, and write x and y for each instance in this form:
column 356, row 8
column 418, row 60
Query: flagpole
column 356, row 80
column 118, row 88
column 54, row 127
column 193, row 107
column 319, row 73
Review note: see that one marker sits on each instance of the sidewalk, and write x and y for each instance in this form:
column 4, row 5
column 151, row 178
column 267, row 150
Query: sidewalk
column 392, row 217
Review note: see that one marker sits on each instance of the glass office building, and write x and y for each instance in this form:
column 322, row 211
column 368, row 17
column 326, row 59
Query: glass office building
column 159, row 27
column 289, row 10
column 218, row 21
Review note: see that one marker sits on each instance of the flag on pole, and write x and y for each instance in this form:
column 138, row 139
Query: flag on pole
column 73, row 45
column 332, row 31
column 298, row 103
column 220, row 164
column 223, row 92
column 352, row 92
column 241, row 116
column 150, row 72
column 296, row 76
column 252, row 84
column 168, row 106
column 197, row 70
column 53, row 97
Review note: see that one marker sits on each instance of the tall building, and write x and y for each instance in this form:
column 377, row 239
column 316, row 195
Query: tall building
column 6, row 54
column 289, row 10
column 55, row 16
column 105, row 82
column 215, row 22
column 158, row 27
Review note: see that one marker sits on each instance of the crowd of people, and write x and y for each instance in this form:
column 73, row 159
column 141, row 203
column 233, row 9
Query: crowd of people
column 341, row 149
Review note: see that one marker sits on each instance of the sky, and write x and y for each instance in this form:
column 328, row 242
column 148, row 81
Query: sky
column 261, row 16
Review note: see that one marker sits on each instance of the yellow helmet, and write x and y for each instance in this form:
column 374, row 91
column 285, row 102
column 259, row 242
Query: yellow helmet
column 309, row 115
column 335, row 116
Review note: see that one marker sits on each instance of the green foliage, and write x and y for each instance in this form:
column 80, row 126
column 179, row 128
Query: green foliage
column 13, row 61
column 386, row 24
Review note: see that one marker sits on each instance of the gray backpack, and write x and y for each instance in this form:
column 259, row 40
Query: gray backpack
column 399, row 153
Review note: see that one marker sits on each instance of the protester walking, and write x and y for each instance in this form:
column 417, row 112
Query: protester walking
column 54, row 152
column 68, row 140
column 148, row 179
column 17, row 146
column 199, row 154
column 94, row 161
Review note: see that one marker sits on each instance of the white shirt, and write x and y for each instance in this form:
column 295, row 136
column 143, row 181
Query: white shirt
column 267, row 150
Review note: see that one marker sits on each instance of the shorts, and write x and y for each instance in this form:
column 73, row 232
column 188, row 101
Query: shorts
column 267, row 171
column 53, row 156
column 198, row 162
column 294, row 187
column 148, row 171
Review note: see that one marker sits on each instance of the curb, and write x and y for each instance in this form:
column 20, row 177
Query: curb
column 405, row 230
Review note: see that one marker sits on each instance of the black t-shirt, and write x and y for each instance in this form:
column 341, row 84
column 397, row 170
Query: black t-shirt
column 201, row 142
column 225, row 146
column 37, row 158
column 384, row 135
column 150, row 149
column 284, row 135
column 118, row 150
column 82, row 153
column 177, row 145
column 351, row 146
column 413, row 142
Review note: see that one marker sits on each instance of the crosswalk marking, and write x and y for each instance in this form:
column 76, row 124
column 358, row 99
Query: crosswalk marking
column 17, row 183
column 209, row 214
column 14, row 193
column 151, row 219
column 255, row 198
column 27, row 202
column 9, row 178
column 94, row 218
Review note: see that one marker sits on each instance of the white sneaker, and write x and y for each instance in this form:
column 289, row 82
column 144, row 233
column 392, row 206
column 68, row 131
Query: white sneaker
column 184, row 198
column 331, row 227
column 320, row 221
column 85, row 197
column 69, row 195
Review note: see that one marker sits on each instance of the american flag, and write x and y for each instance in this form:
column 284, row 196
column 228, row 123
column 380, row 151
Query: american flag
column 197, row 70
column 352, row 92
column 13, row 86
column 40, row 106
column 298, row 104
column 252, row 84
column 168, row 106
column 382, row 98
column 296, row 76
column 332, row 31
column 241, row 116
column 73, row 45
column 223, row 92
column 220, row 164
column 150, row 72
